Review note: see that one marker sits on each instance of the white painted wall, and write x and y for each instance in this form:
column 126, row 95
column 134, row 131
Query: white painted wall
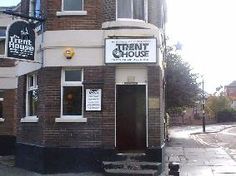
column 88, row 45
column 138, row 73
column 8, row 83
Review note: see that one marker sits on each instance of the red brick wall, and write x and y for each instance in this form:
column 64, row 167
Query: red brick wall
column 7, row 63
column 109, row 10
column 98, row 131
column 9, row 113
column 90, row 21
column 29, row 133
column 154, row 119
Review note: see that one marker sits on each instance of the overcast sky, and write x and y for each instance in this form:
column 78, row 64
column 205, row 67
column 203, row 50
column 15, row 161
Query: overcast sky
column 207, row 30
column 9, row 2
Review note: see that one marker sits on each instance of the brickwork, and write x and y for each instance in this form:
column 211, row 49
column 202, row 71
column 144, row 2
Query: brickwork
column 9, row 113
column 82, row 135
column 24, row 7
column 109, row 10
column 7, row 63
column 96, row 132
column 26, row 132
column 91, row 21
column 154, row 132
column 108, row 121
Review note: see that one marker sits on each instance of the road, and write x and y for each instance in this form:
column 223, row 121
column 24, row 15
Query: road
column 224, row 139
column 203, row 154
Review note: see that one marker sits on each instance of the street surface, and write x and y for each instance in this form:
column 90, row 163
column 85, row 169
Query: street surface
column 203, row 154
column 200, row 154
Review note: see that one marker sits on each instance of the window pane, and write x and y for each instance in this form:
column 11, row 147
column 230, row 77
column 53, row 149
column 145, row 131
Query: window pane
column 2, row 32
column 30, row 81
column 2, row 46
column 2, row 40
column 138, row 9
column 33, row 102
column 1, row 109
column 124, row 9
column 73, row 5
column 72, row 100
column 73, row 75
column 37, row 8
column 1, row 94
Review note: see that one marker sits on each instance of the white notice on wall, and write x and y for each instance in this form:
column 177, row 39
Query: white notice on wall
column 93, row 99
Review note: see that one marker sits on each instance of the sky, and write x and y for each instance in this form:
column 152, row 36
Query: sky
column 207, row 31
column 8, row 2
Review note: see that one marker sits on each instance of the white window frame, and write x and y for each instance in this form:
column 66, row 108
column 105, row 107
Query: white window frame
column 71, row 12
column 71, row 118
column 29, row 118
column 132, row 9
column 1, row 118
column 5, row 38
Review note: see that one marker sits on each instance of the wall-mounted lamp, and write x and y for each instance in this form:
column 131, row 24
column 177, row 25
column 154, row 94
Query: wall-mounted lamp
column 69, row 53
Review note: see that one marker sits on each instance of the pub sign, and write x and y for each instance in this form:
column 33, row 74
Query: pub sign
column 131, row 50
column 21, row 41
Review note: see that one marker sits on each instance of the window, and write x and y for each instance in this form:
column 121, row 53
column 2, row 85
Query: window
column 2, row 40
column 132, row 9
column 1, row 106
column 72, row 96
column 72, row 7
column 31, row 99
column 35, row 8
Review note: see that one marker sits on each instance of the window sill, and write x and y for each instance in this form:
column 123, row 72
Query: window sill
column 71, row 13
column 29, row 119
column 2, row 119
column 71, row 119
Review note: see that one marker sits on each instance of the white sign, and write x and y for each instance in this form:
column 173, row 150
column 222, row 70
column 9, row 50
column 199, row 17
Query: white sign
column 93, row 99
column 131, row 51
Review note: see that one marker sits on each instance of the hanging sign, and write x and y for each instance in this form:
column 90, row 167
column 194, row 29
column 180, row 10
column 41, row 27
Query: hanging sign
column 93, row 99
column 131, row 50
column 21, row 41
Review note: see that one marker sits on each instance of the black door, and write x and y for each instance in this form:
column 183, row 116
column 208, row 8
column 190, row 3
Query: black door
column 131, row 117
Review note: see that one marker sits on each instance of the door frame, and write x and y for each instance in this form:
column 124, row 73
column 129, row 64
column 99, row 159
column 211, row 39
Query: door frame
column 138, row 84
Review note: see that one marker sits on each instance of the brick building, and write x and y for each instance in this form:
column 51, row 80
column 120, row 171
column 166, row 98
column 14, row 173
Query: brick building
column 230, row 91
column 8, row 89
column 95, row 86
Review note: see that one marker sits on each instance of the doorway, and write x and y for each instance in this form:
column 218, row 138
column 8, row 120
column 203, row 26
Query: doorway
column 131, row 117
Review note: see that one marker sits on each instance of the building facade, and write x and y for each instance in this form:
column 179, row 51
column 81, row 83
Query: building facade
column 95, row 87
column 231, row 93
column 8, row 89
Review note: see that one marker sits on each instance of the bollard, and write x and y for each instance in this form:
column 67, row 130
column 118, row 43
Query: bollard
column 173, row 168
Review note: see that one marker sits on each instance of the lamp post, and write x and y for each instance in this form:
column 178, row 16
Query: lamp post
column 203, row 108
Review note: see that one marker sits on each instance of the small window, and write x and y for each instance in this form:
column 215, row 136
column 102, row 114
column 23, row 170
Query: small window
column 73, row 5
column 35, row 8
column 73, row 75
column 72, row 93
column 32, row 96
column 2, row 40
column 1, row 104
column 132, row 9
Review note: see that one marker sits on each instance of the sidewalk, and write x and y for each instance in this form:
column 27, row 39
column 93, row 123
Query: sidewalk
column 197, row 159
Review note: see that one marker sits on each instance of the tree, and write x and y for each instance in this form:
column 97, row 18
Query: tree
column 215, row 104
column 182, row 89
